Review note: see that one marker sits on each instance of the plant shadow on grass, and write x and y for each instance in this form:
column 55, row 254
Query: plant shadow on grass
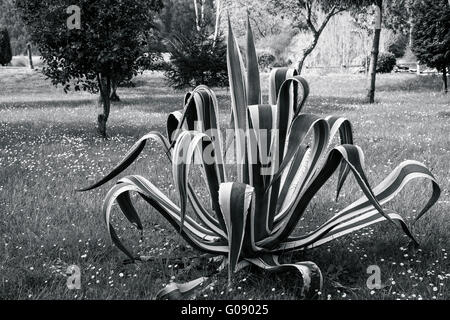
column 346, row 270
column 49, row 134
column 328, row 104
column 443, row 114
column 413, row 83
column 43, row 104
column 164, row 103
column 174, row 101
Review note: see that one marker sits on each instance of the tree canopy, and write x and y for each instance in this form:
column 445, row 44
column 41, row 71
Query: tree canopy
column 108, row 43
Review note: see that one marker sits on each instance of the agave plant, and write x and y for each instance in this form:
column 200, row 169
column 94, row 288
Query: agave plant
column 252, row 219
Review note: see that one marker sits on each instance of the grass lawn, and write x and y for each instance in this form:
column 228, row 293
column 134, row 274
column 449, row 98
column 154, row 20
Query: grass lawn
column 49, row 147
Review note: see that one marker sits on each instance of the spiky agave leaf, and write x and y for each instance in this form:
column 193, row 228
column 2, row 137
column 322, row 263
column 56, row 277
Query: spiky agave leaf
column 253, row 82
column 311, row 276
column 235, row 199
column 181, row 291
column 362, row 213
column 236, row 76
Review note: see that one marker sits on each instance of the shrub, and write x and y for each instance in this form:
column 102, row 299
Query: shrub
column 152, row 61
column 5, row 47
column 265, row 60
column 252, row 215
column 277, row 43
column 195, row 60
column 385, row 64
column 282, row 63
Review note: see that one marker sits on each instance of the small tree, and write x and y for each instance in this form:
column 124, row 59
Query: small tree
column 305, row 16
column 105, row 47
column 431, row 35
column 5, row 47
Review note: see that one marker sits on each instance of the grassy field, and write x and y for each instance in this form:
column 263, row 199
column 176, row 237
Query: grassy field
column 48, row 148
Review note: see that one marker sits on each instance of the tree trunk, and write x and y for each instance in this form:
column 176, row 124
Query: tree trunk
column 30, row 55
column 218, row 14
column 444, row 78
column 202, row 13
column 114, row 96
column 306, row 52
column 410, row 23
column 197, row 22
column 374, row 54
column 104, row 105
column 300, row 64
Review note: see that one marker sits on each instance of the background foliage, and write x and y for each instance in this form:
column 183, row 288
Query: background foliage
column 5, row 47
column 197, row 60
column 10, row 19
column 386, row 62
column 431, row 33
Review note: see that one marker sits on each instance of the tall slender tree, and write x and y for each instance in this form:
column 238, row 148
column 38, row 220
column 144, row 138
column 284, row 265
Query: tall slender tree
column 378, row 6
column 394, row 15
column 218, row 5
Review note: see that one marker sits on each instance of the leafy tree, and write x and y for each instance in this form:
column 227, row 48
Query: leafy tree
column 5, row 47
column 431, row 35
column 111, row 38
column 306, row 16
